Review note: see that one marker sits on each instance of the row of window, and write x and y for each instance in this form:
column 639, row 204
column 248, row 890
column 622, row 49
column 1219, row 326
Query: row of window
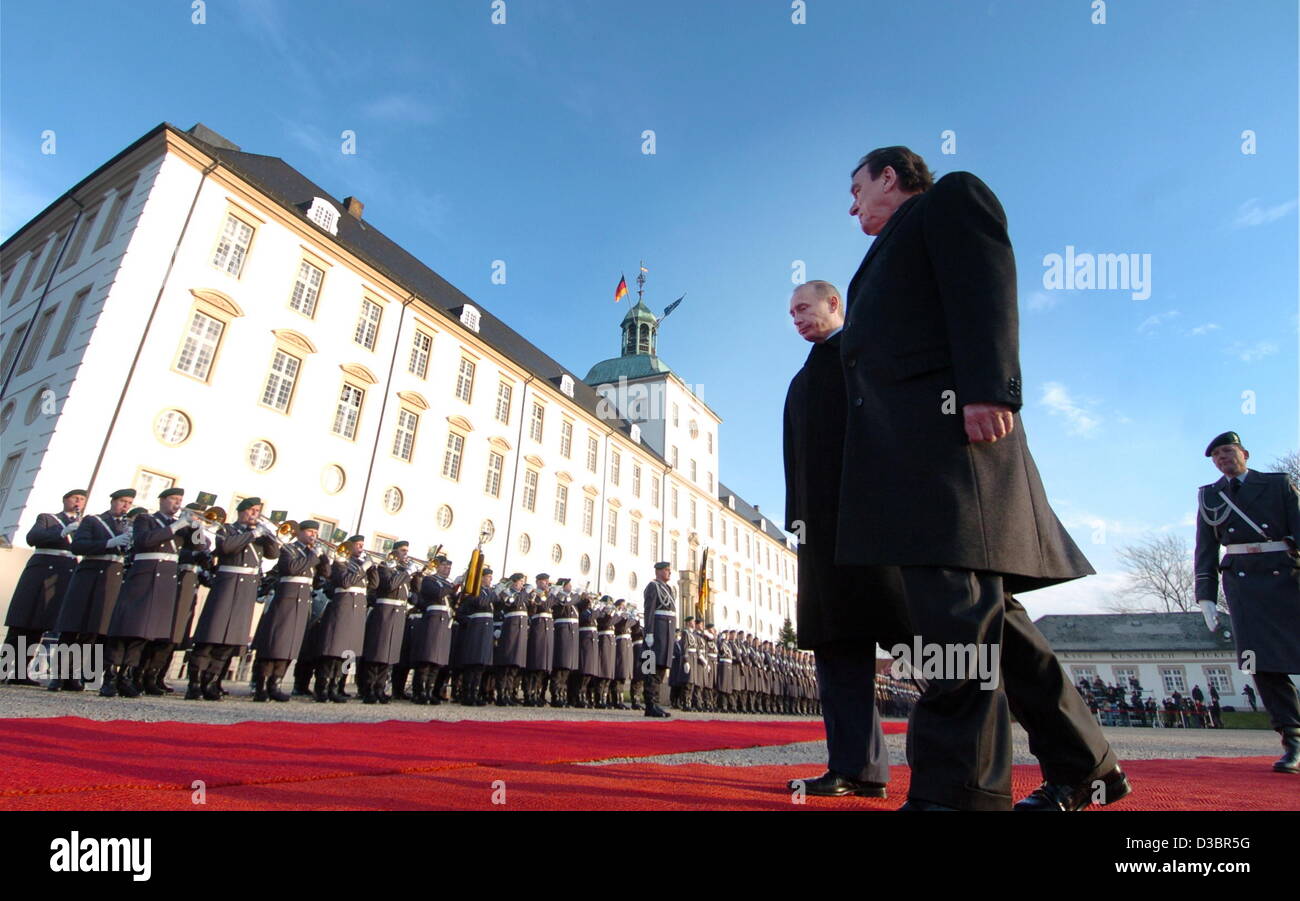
column 1173, row 678
column 35, row 342
column 47, row 252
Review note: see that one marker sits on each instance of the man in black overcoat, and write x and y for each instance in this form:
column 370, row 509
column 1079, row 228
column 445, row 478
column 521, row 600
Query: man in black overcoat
column 938, row 480
column 843, row 611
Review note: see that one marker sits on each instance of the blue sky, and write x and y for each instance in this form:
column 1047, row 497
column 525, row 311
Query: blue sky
column 522, row 142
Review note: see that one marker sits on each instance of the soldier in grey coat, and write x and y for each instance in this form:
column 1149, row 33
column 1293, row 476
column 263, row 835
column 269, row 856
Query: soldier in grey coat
column 226, row 622
column 302, row 568
column 34, row 606
column 660, row 618
column 541, row 642
column 428, row 636
column 144, row 608
column 565, row 660
column 87, row 606
column 1255, row 518
column 342, row 626
column 386, row 622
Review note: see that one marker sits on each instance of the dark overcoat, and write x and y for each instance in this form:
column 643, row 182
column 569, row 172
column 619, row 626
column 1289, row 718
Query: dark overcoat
column 145, row 606
column 87, row 606
column 931, row 326
column 44, row 580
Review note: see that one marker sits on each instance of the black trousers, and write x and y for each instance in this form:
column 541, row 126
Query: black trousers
column 125, row 651
column 1278, row 693
column 959, row 740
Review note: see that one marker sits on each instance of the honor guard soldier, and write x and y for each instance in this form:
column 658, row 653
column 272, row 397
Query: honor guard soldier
column 386, row 622
column 565, row 660
column 588, row 654
column 34, row 607
column 635, row 686
column 475, row 615
column 605, row 652
column 226, row 622
column 512, row 642
column 428, row 636
column 541, row 642
column 623, row 666
column 342, row 625
column 303, row 567
column 660, row 615
column 87, row 607
column 1255, row 518
column 192, row 562
column 144, row 608
column 722, row 685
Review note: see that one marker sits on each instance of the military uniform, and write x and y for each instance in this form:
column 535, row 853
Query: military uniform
column 1256, row 523
column 342, row 626
column 475, row 616
column 226, row 622
column 87, row 607
column 605, row 657
column 511, row 652
column 565, row 660
column 144, row 608
column 623, row 660
column 429, row 637
column 541, row 649
column 34, row 606
column 386, row 627
column 660, row 619
column 299, row 571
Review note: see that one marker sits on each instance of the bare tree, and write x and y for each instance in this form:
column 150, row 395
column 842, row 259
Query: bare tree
column 1160, row 577
column 1289, row 464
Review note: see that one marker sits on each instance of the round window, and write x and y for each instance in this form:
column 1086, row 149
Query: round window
column 444, row 517
column 631, row 580
column 332, row 479
column 585, row 564
column 525, row 543
column 393, row 499
column 609, row 572
column 261, row 456
column 488, row 530
column 557, row 553
column 171, row 427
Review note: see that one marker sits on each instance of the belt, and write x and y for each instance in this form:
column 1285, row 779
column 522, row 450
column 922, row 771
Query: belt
column 1262, row 548
column 296, row 580
column 190, row 567
column 541, row 616
column 516, row 613
column 606, row 631
column 665, row 613
column 478, row 615
column 415, row 616
column 586, row 628
column 356, row 589
column 391, row 602
column 566, row 619
column 446, row 607
column 623, row 637
column 724, row 659
column 152, row 555
column 53, row 552
column 242, row 570
column 117, row 557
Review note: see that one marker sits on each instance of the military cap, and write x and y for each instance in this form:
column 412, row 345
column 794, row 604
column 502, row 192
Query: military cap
column 195, row 506
column 708, row 625
column 515, row 577
column 168, row 492
column 441, row 559
column 663, row 564
column 541, row 576
column 1225, row 438
column 355, row 538
column 82, row 491
column 606, row 599
column 122, row 492
column 136, row 511
column 397, row 544
column 563, row 583
column 486, row 570
column 248, row 502
column 309, row 524
column 689, row 619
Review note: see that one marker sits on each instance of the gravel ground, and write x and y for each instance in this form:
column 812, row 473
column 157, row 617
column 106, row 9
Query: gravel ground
column 238, row 707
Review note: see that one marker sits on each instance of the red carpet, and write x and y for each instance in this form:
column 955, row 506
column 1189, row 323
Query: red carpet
column 74, row 764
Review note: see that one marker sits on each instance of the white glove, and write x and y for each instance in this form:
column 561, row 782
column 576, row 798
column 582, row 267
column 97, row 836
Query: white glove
column 649, row 640
column 119, row 540
column 496, row 633
column 70, row 528
column 1211, row 613
column 179, row 525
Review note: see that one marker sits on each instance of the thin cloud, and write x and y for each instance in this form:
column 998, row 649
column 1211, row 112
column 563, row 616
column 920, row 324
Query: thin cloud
column 1250, row 213
column 1041, row 300
column 1078, row 421
column 400, row 108
column 1151, row 323
column 1205, row 329
column 1249, row 353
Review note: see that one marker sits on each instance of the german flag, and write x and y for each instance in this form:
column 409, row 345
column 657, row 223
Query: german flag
column 621, row 291
column 705, row 604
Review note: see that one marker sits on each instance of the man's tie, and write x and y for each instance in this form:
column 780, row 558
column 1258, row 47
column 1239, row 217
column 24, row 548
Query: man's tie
column 1233, row 484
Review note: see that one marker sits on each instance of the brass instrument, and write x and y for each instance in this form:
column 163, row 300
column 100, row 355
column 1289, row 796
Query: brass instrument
column 283, row 532
column 215, row 515
column 474, row 575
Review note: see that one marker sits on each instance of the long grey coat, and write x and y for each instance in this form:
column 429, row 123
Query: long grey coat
column 932, row 309
column 87, row 606
column 227, row 616
column 144, row 608
column 45, row 578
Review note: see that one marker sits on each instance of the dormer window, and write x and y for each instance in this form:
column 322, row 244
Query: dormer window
column 566, row 385
column 635, row 432
column 323, row 213
column 469, row 317
column 731, row 501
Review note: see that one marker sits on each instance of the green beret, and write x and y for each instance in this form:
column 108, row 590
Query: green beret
column 664, row 564
column 515, row 577
column 168, row 492
column 541, row 576
column 1225, row 438
column 309, row 524
column 248, row 502
column 397, row 544
column 441, row 559
column 122, row 492
column 356, row 538
column 81, row 491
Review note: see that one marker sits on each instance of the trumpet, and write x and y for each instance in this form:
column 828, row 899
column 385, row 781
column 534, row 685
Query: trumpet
column 283, row 532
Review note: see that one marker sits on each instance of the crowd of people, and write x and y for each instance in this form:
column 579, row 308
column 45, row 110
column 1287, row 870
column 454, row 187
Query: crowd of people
column 1117, row 705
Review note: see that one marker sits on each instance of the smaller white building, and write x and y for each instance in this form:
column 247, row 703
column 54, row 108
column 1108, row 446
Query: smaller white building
column 1165, row 652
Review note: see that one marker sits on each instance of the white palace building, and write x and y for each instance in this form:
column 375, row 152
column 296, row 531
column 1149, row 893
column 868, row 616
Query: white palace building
column 192, row 314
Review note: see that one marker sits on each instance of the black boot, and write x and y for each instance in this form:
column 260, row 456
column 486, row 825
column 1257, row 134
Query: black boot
column 322, row 682
column 259, row 689
column 109, row 688
column 211, row 686
column 127, row 686
column 160, row 681
column 1289, row 762
column 273, row 690
column 148, row 683
column 195, row 690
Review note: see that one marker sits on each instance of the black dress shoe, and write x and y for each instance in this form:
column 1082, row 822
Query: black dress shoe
column 832, row 785
column 915, row 804
column 1058, row 796
column 1289, row 762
